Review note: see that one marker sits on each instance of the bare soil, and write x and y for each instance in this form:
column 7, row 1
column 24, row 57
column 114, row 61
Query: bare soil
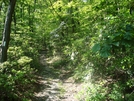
column 55, row 84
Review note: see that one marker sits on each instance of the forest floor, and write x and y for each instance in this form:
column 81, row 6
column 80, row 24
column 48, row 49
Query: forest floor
column 55, row 84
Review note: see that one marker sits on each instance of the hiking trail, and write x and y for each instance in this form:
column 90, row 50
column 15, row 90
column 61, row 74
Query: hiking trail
column 55, row 84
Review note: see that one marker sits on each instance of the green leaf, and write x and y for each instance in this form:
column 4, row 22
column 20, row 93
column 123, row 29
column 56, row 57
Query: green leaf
column 105, row 54
column 105, row 51
column 24, row 60
column 128, row 36
column 116, row 44
column 96, row 47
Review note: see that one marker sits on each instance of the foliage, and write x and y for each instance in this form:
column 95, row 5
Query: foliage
column 104, row 38
column 17, row 74
column 16, row 78
column 114, row 49
column 93, row 37
column 93, row 92
column 29, row 48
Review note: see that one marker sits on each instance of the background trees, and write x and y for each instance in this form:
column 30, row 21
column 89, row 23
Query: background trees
column 95, row 38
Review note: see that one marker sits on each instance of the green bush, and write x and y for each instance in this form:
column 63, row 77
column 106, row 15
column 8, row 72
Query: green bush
column 25, row 45
column 17, row 73
column 16, row 79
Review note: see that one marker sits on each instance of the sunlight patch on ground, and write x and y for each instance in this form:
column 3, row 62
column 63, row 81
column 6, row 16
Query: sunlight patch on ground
column 53, row 59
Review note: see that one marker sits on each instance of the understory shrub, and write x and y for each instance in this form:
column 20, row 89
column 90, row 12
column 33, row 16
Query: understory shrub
column 16, row 80
column 17, row 74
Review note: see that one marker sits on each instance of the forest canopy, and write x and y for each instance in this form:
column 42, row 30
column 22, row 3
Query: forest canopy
column 94, row 38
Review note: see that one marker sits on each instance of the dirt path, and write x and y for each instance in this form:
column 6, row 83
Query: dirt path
column 55, row 84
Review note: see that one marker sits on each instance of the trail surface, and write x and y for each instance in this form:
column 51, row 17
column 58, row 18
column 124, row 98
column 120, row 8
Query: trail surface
column 55, row 84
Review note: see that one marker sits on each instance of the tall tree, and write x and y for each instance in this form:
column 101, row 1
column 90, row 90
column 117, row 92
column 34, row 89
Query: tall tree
column 7, row 30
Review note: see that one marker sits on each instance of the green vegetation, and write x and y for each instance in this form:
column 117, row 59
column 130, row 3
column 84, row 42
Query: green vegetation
column 94, row 39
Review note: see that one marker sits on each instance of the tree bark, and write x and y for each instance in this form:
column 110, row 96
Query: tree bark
column 7, row 30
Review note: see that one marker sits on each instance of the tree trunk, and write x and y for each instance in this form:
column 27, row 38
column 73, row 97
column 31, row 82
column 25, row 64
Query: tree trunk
column 14, row 19
column 7, row 30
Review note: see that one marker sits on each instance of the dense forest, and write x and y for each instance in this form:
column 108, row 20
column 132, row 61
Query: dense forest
column 94, row 39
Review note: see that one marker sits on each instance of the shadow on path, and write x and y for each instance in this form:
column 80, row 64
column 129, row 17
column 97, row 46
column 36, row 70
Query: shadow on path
column 54, row 84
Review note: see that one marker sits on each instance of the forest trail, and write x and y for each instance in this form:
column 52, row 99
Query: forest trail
column 55, row 84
